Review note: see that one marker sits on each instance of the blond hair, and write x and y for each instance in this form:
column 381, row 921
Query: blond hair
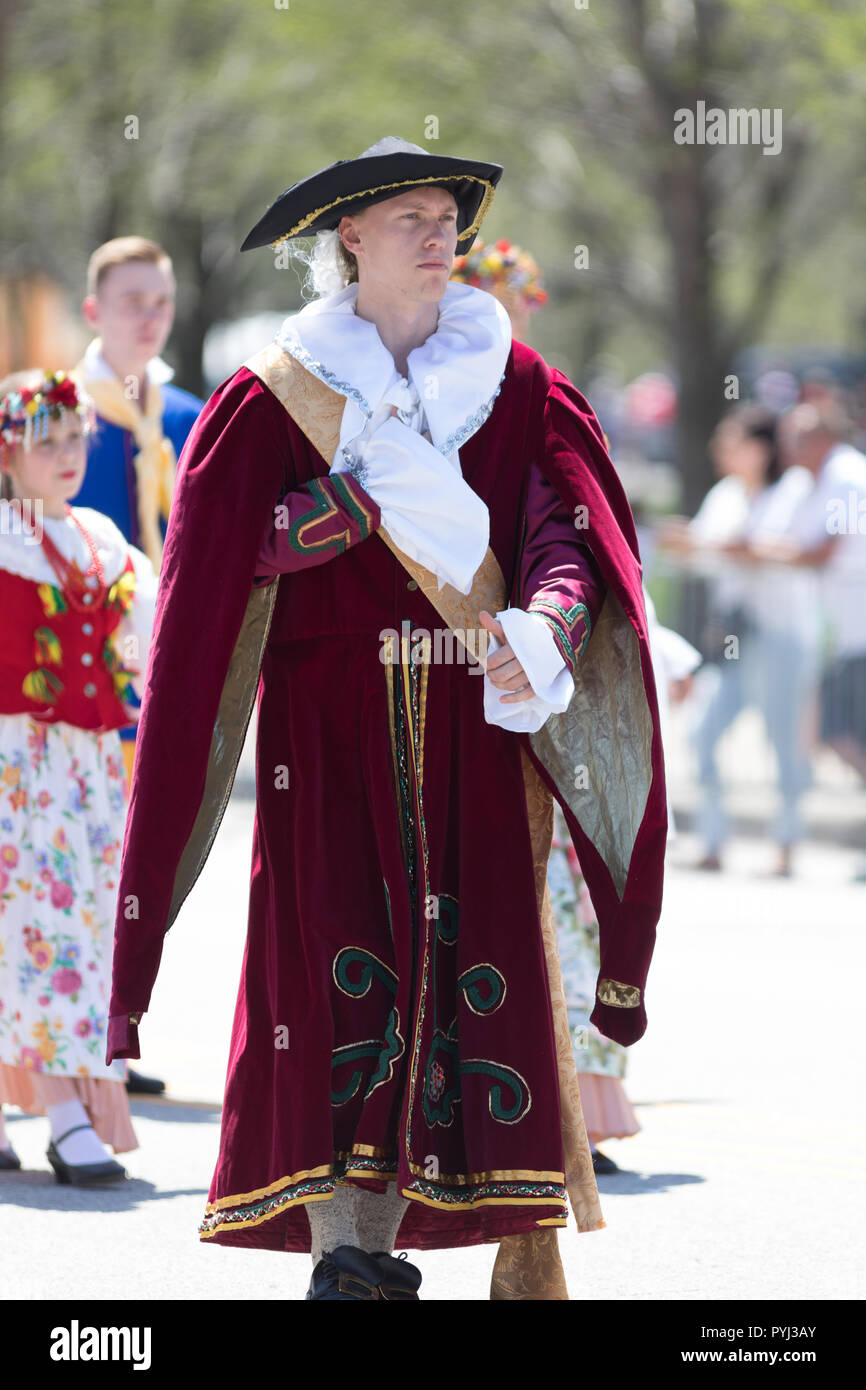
column 329, row 266
column 123, row 250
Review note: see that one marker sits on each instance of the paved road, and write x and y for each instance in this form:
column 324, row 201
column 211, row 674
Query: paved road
column 746, row 1181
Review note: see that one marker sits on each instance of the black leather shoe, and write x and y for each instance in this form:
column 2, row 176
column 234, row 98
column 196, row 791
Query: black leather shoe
column 346, row 1272
column 9, row 1159
column 136, row 1084
column 83, row 1174
column 602, row 1164
column 400, row 1280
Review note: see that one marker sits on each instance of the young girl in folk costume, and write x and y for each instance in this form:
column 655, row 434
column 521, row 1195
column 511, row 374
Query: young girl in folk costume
column 76, row 611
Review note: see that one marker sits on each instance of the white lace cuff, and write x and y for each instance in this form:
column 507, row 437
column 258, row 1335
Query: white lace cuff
column 533, row 644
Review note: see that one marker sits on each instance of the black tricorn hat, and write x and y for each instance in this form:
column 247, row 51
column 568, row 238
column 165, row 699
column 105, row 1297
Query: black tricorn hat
column 388, row 168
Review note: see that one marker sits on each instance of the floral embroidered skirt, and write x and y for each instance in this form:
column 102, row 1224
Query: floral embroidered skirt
column 63, row 803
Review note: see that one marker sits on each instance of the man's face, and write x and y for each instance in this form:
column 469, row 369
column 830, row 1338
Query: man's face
column 133, row 311
column 405, row 246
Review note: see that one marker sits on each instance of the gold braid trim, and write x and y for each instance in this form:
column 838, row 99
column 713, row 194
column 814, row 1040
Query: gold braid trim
column 401, row 183
column 494, row 1175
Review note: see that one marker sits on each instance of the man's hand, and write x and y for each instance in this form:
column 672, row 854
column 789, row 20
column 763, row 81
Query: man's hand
column 503, row 668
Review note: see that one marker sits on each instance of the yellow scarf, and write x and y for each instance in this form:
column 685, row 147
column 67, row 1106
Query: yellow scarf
column 155, row 461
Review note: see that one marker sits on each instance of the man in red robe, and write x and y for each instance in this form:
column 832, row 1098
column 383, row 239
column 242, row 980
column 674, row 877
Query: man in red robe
column 398, row 1071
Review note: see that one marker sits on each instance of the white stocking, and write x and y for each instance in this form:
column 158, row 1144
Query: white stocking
column 332, row 1223
column 378, row 1218
column 82, row 1147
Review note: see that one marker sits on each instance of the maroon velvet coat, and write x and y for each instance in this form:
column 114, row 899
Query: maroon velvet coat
column 393, row 942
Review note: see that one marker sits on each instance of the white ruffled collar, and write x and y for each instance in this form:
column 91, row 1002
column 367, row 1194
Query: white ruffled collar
column 457, row 372
column 22, row 554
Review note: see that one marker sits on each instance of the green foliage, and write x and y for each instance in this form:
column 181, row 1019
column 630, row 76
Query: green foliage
column 236, row 101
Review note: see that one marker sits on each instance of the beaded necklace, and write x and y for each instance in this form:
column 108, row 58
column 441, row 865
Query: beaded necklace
column 85, row 590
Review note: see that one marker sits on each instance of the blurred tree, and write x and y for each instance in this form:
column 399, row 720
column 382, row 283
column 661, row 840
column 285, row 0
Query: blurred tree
column 693, row 250
column 689, row 246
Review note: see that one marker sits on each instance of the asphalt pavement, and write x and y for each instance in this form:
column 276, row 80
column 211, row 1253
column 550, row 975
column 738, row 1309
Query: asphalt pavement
column 745, row 1182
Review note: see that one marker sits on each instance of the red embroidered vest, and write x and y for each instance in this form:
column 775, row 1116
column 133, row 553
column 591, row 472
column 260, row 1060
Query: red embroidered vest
column 57, row 664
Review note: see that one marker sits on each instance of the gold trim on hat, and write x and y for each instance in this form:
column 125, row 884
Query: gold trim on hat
column 489, row 190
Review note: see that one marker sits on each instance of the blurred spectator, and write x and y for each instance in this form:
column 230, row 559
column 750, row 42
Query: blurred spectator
column 827, row 532
column 763, row 638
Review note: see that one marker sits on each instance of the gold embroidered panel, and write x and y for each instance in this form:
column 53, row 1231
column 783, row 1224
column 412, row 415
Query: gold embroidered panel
column 599, row 751
column 233, row 717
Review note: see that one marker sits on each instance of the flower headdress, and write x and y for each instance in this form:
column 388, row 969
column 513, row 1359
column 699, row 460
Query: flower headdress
column 25, row 411
column 501, row 266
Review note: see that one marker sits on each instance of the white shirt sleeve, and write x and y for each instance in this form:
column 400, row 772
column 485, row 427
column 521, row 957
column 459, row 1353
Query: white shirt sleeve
column 534, row 645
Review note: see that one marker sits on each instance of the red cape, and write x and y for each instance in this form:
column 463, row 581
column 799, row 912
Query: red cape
column 215, row 531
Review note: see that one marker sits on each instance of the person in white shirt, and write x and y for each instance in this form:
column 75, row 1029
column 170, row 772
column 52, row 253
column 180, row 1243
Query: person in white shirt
column 761, row 648
column 826, row 540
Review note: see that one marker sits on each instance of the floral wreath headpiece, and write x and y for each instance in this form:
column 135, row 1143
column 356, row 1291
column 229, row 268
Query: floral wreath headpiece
column 25, row 412
column 502, row 265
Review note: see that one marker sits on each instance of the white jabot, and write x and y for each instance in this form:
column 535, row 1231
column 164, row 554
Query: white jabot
column 535, row 647
column 415, row 478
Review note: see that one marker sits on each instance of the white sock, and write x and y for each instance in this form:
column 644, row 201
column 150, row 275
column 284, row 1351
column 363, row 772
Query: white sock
column 378, row 1217
column 4, row 1138
column 332, row 1223
column 81, row 1147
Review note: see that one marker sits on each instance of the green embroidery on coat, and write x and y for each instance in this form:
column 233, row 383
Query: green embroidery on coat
column 482, row 1003
column 370, row 967
column 342, row 488
column 353, row 1052
column 551, row 610
column 504, row 1077
column 392, row 1048
column 441, row 1095
column 324, row 508
column 354, row 971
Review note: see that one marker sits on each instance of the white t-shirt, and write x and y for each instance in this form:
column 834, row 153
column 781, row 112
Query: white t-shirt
column 836, row 505
column 784, row 599
column 722, row 517
column 778, row 598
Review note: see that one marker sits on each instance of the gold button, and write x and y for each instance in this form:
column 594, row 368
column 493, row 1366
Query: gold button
column 412, row 584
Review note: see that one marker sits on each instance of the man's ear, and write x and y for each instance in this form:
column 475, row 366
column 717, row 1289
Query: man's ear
column 90, row 310
column 347, row 231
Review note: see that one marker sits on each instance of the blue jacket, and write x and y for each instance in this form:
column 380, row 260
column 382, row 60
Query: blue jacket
column 109, row 484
